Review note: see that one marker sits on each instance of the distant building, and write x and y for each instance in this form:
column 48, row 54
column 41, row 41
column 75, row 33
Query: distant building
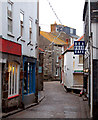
column 72, row 73
column 62, row 28
column 52, row 46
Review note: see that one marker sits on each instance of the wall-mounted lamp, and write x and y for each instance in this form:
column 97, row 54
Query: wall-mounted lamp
column 36, row 46
column 28, row 43
column 31, row 48
column 18, row 38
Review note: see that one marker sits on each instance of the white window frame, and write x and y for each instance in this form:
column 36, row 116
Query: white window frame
column 10, row 85
column 21, row 24
column 10, row 17
column 71, row 31
column 57, row 60
column 30, row 30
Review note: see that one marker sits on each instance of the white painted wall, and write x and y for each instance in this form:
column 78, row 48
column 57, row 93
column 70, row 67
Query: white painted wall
column 94, row 28
column 0, row 18
column 69, row 68
column 30, row 10
column 68, row 71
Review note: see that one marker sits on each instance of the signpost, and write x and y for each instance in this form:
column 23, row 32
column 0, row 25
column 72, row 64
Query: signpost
column 79, row 47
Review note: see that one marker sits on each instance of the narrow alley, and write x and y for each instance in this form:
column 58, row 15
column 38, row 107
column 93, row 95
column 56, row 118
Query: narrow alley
column 56, row 104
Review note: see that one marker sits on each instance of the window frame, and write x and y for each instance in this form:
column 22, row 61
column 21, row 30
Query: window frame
column 71, row 31
column 80, row 60
column 13, row 89
column 30, row 28
column 10, row 17
column 21, row 23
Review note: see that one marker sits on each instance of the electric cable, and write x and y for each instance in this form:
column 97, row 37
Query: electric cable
column 54, row 12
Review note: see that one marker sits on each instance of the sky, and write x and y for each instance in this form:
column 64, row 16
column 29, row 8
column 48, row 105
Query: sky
column 70, row 13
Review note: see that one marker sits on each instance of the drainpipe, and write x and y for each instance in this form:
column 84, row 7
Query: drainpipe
column 37, row 51
column 90, row 63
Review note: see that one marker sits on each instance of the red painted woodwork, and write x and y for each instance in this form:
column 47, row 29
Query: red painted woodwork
column 7, row 46
column 13, row 96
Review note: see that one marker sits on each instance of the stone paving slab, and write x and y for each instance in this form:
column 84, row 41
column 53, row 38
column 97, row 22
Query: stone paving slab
column 56, row 104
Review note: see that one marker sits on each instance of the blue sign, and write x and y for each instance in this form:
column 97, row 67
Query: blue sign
column 79, row 47
column 40, row 69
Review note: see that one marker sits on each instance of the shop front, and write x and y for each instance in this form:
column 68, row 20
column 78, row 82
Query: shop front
column 29, row 80
column 10, row 74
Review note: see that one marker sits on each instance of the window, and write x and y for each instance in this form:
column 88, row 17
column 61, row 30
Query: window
column 13, row 80
column 29, row 78
column 57, row 60
column 71, row 31
column 30, row 30
column 80, row 59
column 10, row 19
column 56, row 71
column 21, row 23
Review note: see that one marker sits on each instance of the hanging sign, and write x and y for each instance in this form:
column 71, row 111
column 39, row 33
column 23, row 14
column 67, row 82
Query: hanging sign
column 79, row 47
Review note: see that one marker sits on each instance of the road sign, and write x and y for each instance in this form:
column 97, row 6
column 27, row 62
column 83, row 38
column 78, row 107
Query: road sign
column 79, row 47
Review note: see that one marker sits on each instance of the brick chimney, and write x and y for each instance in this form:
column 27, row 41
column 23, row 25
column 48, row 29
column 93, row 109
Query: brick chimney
column 53, row 27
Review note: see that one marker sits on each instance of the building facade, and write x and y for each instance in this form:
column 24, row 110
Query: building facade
column 65, row 29
column 72, row 74
column 90, row 18
column 52, row 47
column 19, row 44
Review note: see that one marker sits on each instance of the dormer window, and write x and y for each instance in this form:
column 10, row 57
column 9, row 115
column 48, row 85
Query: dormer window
column 71, row 31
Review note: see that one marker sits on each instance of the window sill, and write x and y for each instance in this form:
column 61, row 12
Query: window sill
column 80, row 64
column 10, row 34
column 13, row 96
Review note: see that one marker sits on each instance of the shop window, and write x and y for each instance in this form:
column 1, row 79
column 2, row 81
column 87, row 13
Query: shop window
column 13, row 80
column 29, row 78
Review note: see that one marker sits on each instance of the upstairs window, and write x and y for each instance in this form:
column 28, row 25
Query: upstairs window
column 10, row 19
column 21, row 23
column 30, row 29
column 56, row 71
column 57, row 60
column 80, row 59
column 71, row 31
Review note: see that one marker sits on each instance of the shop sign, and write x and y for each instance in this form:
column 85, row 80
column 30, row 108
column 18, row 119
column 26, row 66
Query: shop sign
column 79, row 47
column 40, row 69
column 7, row 46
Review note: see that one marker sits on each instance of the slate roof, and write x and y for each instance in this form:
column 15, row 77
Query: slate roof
column 52, row 38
